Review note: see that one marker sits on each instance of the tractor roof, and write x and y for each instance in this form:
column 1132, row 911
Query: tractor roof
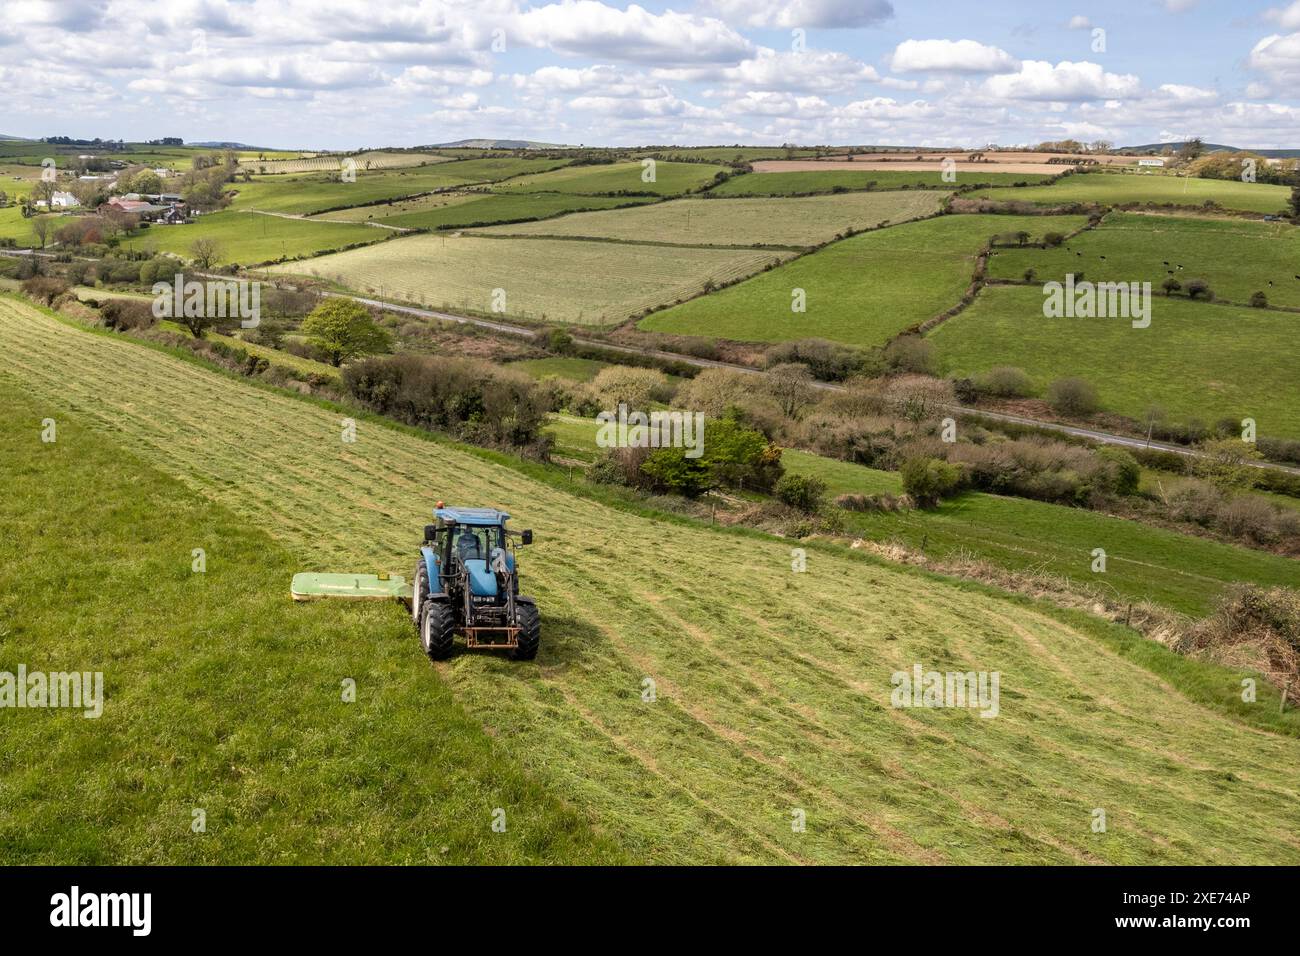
column 471, row 516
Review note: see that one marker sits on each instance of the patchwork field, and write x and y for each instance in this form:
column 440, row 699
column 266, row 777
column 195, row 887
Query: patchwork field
column 772, row 688
column 933, row 165
column 862, row 291
column 832, row 180
column 364, row 162
column 1236, row 257
column 1196, row 360
column 1118, row 188
column 458, row 210
column 739, row 222
column 250, row 238
column 671, row 179
column 303, row 195
column 587, row 283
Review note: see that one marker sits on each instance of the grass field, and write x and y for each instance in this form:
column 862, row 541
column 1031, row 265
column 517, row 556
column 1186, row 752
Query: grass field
column 222, row 695
column 1196, row 360
column 572, row 369
column 739, row 222
column 772, row 688
column 455, row 210
column 671, row 179
column 364, row 162
column 1183, row 573
column 303, row 195
column 1236, row 257
column 248, row 238
column 589, row 283
column 862, row 291
column 1114, row 189
column 830, row 180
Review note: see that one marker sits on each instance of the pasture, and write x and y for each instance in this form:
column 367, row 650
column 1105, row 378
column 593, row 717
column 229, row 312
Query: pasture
column 1196, row 360
column 364, row 162
column 808, row 183
column 738, row 222
column 861, row 291
column 461, row 210
column 557, row 280
column 249, row 238
column 1236, row 257
column 1114, row 189
column 671, row 179
column 772, row 688
column 306, row 194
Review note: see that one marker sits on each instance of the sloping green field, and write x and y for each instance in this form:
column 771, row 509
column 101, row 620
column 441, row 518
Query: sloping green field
column 670, row 179
column 863, row 290
column 590, row 283
column 805, row 182
column 1117, row 188
column 739, row 222
column 249, row 238
column 453, row 210
column 1236, row 257
column 1196, row 360
column 772, row 688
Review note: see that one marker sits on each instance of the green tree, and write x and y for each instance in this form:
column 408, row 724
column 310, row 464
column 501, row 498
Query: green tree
column 928, row 480
column 1227, row 463
column 344, row 330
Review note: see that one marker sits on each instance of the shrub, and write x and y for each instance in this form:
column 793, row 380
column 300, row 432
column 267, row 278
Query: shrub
column 1200, row 289
column 633, row 387
column 559, row 341
column 1005, row 381
column 1073, row 397
column 126, row 314
column 910, row 353
column 929, row 480
column 1125, row 472
column 804, row 492
column 667, row 470
column 1053, row 239
column 1171, row 285
column 1259, row 301
column 828, row 361
column 44, row 289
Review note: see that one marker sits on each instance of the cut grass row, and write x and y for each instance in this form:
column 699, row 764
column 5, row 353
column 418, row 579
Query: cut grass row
column 772, row 687
column 220, row 694
column 861, row 291
column 807, row 182
column 1196, row 360
column 739, row 222
column 1112, row 189
column 456, row 210
column 586, row 283
column 670, row 179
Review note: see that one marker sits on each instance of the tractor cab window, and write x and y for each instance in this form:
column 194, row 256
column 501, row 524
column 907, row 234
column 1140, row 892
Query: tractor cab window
column 474, row 544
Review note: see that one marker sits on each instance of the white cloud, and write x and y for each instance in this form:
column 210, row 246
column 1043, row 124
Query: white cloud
column 1064, row 82
column 808, row 14
column 1079, row 23
column 1179, row 6
column 1278, row 56
column 950, row 56
column 1288, row 18
column 589, row 28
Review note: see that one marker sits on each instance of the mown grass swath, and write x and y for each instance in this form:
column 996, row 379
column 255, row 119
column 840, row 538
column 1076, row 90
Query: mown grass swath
column 772, row 688
column 1113, row 189
column 813, row 181
column 861, row 291
column 221, row 695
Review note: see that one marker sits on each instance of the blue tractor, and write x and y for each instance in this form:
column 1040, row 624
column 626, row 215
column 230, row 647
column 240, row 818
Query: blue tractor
column 466, row 582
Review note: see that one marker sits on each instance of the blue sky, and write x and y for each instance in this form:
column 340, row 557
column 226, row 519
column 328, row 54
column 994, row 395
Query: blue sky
column 352, row 73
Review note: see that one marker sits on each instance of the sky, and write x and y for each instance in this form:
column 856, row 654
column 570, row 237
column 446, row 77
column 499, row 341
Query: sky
column 344, row 74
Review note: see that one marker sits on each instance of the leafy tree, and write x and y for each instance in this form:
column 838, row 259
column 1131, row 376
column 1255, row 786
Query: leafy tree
column 1226, row 462
column 790, row 384
column 206, row 252
column 668, row 470
column 929, row 480
column 344, row 330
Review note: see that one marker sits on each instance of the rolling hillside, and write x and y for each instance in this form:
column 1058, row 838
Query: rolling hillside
column 772, row 688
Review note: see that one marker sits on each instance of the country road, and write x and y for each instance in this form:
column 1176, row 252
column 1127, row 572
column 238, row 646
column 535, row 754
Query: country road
column 1091, row 434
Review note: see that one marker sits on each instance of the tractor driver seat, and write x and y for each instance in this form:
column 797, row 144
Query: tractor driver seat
column 467, row 548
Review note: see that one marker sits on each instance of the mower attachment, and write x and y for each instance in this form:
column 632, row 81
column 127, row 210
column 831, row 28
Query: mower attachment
column 312, row 586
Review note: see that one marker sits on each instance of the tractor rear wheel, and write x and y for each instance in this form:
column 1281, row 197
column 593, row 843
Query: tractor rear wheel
column 437, row 629
column 419, row 591
column 530, row 634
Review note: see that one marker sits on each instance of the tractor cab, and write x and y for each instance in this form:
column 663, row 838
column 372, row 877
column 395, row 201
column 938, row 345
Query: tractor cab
column 468, row 566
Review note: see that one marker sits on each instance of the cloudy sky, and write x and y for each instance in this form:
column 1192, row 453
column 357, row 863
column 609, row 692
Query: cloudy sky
column 353, row 73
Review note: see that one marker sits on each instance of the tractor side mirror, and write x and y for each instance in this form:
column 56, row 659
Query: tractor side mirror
column 526, row 537
column 429, row 531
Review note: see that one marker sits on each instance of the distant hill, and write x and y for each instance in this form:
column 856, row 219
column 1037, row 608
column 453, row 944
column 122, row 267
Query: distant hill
column 1214, row 148
column 6, row 136
column 214, row 145
column 496, row 144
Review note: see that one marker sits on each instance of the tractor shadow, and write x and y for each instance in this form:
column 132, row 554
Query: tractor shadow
column 564, row 640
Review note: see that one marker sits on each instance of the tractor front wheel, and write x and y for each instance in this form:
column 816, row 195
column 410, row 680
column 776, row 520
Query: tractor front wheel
column 419, row 591
column 437, row 629
column 530, row 634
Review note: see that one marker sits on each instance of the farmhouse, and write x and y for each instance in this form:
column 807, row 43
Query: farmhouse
column 137, row 207
column 60, row 200
column 1151, row 162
